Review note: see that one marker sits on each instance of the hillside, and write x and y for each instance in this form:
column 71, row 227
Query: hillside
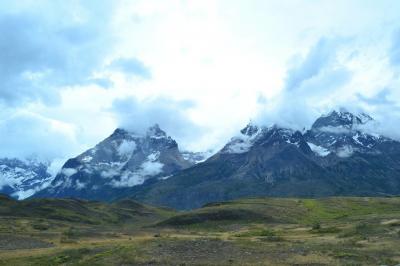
column 76, row 211
column 256, row 231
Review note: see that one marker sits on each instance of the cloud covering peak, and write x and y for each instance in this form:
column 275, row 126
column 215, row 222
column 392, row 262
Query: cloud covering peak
column 73, row 71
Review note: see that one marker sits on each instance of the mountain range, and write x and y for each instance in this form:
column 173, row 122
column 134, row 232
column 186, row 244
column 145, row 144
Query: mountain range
column 339, row 155
column 21, row 178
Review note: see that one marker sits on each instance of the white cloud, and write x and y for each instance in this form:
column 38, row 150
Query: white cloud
column 151, row 168
column 25, row 134
column 129, row 179
column 201, row 69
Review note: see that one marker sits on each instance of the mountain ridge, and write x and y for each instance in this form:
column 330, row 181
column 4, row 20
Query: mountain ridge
column 122, row 160
column 335, row 157
column 276, row 161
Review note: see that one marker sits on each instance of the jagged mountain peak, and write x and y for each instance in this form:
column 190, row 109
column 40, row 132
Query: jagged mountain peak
column 341, row 119
column 155, row 131
column 254, row 134
column 339, row 156
column 253, row 129
column 152, row 131
column 153, row 137
column 332, row 158
column 250, row 129
column 343, row 133
column 124, row 159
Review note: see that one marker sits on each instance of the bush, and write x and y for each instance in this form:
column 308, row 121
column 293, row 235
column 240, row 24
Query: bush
column 40, row 226
column 316, row 225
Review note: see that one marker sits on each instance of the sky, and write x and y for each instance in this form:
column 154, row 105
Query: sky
column 73, row 71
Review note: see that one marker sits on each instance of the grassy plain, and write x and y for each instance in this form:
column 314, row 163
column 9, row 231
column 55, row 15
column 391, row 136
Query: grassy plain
column 262, row 231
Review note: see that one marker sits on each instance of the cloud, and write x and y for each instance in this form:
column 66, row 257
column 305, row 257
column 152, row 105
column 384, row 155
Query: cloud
column 49, row 49
column 394, row 51
column 318, row 58
column 381, row 98
column 25, row 134
column 42, row 52
column 132, row 66
column 310, row 79
column 385, row 110
column 172, row 116
column 66, row 62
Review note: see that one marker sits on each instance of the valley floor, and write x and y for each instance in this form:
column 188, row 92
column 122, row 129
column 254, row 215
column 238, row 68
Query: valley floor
column 335, row 231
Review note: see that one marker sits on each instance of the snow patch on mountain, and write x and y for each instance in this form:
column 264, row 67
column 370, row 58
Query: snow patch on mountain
column 69, row 171
column 126, row 148
column 110, row 173
column 318, row 150
column 335, row 129
column 244, row 141
column 342, row 120
column 197, row 157
column 129, row 179
column 153, row 156
column 164, row 177
column 87, row 159
column 345, row 151
column 79, row 185
column 293, row 142
column 151, row 168
column 239, row 145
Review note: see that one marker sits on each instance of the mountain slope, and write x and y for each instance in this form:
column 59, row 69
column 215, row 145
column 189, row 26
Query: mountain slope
column 123, row 160
column 335, row 157
column 80, row 211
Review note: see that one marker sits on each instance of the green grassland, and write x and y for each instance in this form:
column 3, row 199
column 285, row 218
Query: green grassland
column 260, row 231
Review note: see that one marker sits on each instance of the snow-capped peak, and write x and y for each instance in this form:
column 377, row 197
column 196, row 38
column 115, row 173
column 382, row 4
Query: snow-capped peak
column 124, row 159
column 155, row 132
column 341, row 119
column 250, row 130
column 20, row 178
column 252, row 133
column 244, row 141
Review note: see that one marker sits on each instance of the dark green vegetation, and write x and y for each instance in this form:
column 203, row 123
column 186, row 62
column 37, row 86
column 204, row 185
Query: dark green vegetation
column 270, row 231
